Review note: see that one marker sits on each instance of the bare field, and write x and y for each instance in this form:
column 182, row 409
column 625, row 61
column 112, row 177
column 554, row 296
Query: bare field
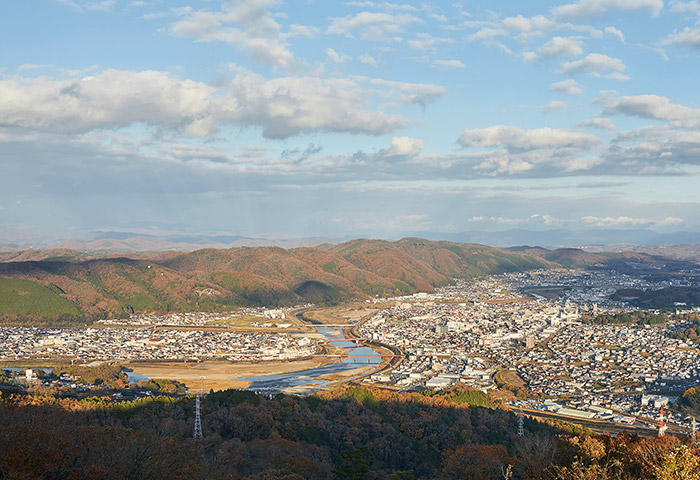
column 512, row 378
column 219, row 375
column 330, row 349
column 341, row 314
column 334, row 377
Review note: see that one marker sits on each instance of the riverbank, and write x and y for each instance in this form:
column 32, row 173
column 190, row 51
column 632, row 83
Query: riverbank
column 219, row 375
column 341, row 314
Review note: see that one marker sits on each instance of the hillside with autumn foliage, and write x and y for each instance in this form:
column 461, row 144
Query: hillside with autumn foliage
column 65, row 286
column 353, row 433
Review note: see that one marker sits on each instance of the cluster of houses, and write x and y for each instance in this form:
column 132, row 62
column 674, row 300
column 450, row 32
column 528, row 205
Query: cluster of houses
column 89, row 344
column 195, row 319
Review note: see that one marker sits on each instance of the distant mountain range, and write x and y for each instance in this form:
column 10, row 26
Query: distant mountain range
column 105, row 242
column 567, row 238
column 115, row 241
column 679, row 252
column 53, row 284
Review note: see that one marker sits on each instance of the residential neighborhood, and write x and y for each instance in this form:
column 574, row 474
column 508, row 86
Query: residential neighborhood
column 470, row 332
column 118, row 344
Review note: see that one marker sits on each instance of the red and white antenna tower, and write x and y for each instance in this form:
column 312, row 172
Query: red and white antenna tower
column 662, row 425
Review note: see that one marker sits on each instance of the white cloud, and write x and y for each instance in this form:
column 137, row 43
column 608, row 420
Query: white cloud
column 499, row 220
column 652, row 107
column 599, row 65
column 516, row 138
column 682, row 7
column 554, row 105
column 614, row 31
column 487, row 33
column 438, row 18
column 539, row 151
column 670, row 221
column 689, row 37
column 82, row 6
column 624, row 221
column 582, row 163
column 300, row 31
column 602, row 123
column 655, row 149
column 336, row 57
column 529, row 56
column 283, row 106
column 383, row 6
column 32, row 66
column 426, row 41
column 584, row 9
column 445, row 64
column 247, row 26
column 504, row 164
column 380, row 27
column 621, row 221
column 561, row 47
column 518, row 24
column 367, row 59
column 570, row 87
column 545, row 219
column 405, row 147
column 418, row 93
column 291, row 105
column 523, row 25
column 112, row 98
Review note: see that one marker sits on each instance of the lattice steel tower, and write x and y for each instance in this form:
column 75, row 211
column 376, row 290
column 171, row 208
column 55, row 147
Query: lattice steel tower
column 198, row 415
column 521, row 429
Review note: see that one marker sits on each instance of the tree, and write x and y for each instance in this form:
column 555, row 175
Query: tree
column 475, row 462
column 354, row 465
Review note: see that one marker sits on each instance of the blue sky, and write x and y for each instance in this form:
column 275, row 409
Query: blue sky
column 263, row 117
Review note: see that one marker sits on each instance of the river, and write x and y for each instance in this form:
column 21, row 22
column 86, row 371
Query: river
column 358, row 356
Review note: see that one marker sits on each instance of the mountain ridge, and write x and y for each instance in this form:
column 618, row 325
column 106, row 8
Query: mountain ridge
column 220, row 279
column 174, row 281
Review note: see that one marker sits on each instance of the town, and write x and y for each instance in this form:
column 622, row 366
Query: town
column 530, row 333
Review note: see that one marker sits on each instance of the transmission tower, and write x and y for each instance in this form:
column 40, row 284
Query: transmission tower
column 521, row 430
column 662, row 425
column 198, row 415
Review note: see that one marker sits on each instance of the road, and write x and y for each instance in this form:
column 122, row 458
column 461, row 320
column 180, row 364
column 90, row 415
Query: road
column 598, row 426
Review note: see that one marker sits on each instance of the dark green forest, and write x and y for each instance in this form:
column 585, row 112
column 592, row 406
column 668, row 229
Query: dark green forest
column 638, row 318
column 352, row 433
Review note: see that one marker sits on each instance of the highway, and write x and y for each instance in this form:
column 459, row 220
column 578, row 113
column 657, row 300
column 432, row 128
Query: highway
column 602, row 426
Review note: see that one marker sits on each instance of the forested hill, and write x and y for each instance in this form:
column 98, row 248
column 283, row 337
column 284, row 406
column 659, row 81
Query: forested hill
column 344, row 434
column 621, row 261
column 68, row 286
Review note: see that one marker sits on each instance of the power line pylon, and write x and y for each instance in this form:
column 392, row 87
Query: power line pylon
column 521, row 429
column 198, row 415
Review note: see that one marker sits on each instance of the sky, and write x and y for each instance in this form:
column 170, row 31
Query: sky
column 359, row 118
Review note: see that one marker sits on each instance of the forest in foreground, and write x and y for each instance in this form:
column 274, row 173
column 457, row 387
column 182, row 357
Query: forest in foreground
column 352, row 433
